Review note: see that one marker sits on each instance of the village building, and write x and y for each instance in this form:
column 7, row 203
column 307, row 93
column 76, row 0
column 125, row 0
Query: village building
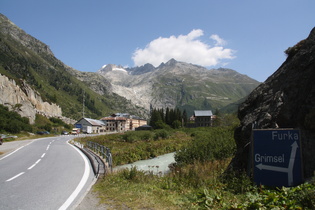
column 120, row 122
column 87, row 125
column 202, row 118
column 115, row 124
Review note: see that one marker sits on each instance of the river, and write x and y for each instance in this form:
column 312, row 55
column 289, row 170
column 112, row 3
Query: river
column 157, row 165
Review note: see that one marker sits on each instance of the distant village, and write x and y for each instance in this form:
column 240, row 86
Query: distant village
column 121, row 122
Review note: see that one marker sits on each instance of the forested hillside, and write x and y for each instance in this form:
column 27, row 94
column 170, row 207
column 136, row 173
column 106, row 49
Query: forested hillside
column 23, row 57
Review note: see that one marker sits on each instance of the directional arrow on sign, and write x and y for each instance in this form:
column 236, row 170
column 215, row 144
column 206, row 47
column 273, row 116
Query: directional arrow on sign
column 288, row 170
column 291, row 163
column 271, row 168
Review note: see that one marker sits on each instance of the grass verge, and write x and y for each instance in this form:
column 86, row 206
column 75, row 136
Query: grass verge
column 199, row 180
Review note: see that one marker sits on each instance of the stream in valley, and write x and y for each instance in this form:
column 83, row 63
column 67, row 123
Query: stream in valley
column 157, row 165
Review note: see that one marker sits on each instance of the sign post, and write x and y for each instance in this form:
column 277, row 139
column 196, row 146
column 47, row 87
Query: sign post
column 277, row 157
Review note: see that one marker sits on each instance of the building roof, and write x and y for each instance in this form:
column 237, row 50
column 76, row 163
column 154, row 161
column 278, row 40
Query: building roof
column 114, row 118
column 126, row 115
column 202, row 113
column 122, row 116
column 95, row 122
column 145, row 126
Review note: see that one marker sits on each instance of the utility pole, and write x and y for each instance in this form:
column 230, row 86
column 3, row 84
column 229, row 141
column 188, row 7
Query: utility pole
column 83, row 104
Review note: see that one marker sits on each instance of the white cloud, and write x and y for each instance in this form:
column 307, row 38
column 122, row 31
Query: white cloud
column 219, row 41
column 187, row 48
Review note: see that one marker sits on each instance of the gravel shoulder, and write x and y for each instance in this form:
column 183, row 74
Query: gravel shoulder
column 91, row 201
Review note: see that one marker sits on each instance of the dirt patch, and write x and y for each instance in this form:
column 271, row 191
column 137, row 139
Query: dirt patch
column 92, row 201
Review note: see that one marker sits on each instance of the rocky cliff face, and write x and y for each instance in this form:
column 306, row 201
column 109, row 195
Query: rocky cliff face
column 285, row 100
column 24, row 100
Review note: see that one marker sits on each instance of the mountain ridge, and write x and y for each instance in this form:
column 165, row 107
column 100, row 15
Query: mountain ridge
column 24, row 58
column 143, row 85
column 114, row 88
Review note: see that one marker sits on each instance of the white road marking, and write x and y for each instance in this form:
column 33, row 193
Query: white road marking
column 15, row 151
column 34, row 164
column 43, row 155
column 15, row 177
column 82, row 182
column 47, row 148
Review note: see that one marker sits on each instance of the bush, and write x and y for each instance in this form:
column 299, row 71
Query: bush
column 161, row 134
column 300, row 197
column 214, row 143
column 161, row 125
column 291, row 51
column 12, row 122
column 146, row 135
column 132, row 136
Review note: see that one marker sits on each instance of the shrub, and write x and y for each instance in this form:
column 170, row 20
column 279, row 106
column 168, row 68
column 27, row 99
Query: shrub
column 293, row 50
column 300, row 197
column 208, row 144
column 137, row 136
column 161, row 134
column 146, row 135
column 130, row 137
column 12, row 122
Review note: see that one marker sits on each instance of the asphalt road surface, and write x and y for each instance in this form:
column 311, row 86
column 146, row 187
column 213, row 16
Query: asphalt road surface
column 46, row 173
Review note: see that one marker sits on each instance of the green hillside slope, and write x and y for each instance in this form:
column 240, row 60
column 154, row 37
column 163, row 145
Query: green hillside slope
column 22, row 57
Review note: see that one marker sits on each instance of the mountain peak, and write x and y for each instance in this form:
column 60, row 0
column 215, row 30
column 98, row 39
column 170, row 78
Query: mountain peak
column 111, row 67
column 171, row 62
column 177, row 83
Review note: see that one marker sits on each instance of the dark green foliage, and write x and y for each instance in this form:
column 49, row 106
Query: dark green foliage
column 58, row 122
column 156, row 117
column 300, row 197
column 132, row 136
column 161, row 134
column 131, row 174
column 291, row 51
column 12, row 122
column 170, row 118
column 214, row 143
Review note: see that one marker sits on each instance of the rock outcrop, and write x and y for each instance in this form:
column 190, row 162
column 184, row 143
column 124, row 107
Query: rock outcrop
column 25, row 101
column 285, row 100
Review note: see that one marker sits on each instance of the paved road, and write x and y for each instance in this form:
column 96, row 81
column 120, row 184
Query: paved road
column 46, row 173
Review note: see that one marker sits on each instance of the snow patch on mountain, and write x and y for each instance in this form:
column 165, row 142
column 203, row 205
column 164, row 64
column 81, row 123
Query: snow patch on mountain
column 119, row 69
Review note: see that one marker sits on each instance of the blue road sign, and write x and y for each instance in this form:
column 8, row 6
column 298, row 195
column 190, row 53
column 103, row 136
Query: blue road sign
column 277, row 157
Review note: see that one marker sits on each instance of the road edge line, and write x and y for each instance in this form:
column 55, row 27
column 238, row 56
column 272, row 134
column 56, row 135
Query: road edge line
column 83, row 181
column 11, row 153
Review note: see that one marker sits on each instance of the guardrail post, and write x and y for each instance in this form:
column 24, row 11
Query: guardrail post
column 102, row 151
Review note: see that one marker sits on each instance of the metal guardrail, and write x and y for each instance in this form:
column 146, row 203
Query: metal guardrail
column 102, row 151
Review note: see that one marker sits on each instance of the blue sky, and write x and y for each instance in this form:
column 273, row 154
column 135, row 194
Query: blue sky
column 249, row 36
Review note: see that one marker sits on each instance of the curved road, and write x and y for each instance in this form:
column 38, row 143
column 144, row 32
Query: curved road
column 46, row 173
